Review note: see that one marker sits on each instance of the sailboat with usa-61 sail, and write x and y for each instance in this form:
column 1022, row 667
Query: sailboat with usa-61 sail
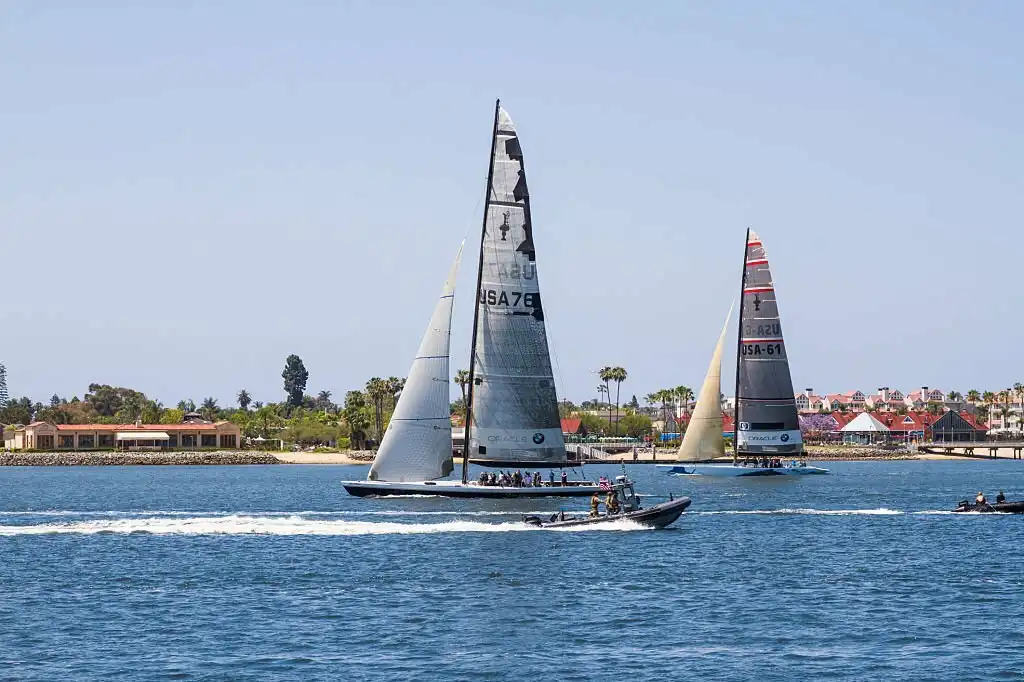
column 767, row 440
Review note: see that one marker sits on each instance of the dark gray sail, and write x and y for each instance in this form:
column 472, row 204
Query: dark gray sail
column 766, row 416
column 514, row 407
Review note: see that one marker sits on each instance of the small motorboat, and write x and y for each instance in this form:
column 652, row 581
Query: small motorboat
column 658, row 516
column 996, row 508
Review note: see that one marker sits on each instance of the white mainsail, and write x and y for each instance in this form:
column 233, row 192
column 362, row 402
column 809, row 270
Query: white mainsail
column 417, row 445
column 703, row 438
column 514, row 405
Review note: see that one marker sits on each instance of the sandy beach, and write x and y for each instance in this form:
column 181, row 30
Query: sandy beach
column 347, row 457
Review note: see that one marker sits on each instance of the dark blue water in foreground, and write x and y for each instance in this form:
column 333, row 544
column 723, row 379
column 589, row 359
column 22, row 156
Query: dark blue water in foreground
column 237, row 573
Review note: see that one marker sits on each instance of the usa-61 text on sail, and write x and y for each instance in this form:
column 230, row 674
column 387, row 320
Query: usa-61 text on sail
column 761, row 349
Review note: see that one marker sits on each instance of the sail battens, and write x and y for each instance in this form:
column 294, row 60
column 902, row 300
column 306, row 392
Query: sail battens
column 514, row 410
column 766, row 415
column 417, row 444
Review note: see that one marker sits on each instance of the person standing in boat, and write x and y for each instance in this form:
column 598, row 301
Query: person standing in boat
column 612, row 503
column 595, row 504
column 980, row 499
column 565, row 478
column 1000, row 498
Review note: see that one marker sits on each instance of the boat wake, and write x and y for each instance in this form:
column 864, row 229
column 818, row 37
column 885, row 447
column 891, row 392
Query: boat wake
column 243, row 524
column 882, row 511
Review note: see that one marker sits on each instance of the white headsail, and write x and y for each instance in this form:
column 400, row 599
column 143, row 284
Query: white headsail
column 703, row 438
column 417, row 445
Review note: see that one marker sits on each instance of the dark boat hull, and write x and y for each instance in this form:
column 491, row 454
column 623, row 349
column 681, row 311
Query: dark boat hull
column 997, row 508
column 458, row 489
column 658, row 516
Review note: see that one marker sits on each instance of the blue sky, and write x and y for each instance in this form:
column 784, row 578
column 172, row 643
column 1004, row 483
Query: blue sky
column 191, row 191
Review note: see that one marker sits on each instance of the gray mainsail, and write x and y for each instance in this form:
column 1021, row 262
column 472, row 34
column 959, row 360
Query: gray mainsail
column 417, row 445
column 766, row 416
column 514, row 409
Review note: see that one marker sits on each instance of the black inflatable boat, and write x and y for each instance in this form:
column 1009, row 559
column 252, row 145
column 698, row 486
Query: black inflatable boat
column 997, row 508
column 658, row 516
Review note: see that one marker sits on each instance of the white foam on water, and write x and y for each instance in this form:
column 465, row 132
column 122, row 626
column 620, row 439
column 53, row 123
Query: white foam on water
column 340, row 513
column 882, row 511
column 238, row 524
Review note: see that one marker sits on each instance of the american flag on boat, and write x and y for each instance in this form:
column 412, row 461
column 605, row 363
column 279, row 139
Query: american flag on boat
column 604, row 484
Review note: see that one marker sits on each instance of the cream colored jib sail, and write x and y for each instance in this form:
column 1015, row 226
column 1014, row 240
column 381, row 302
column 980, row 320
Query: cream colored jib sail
column 417, row 445
column 703, row 438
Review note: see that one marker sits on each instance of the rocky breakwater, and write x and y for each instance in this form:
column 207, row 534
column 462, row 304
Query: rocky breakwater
column 852, row 452
column 135, row 458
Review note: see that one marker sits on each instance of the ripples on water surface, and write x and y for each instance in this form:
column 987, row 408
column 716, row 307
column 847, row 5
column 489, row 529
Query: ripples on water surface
column 233, row 573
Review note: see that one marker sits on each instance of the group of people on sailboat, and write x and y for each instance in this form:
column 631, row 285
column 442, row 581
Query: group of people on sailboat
column 517, row 479
column 770, row 462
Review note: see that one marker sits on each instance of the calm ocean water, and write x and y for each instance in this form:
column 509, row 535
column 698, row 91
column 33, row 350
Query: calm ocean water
column 238, row 573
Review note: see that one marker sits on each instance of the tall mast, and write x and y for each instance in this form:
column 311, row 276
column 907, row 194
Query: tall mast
column 739, row 347
column 476, row 299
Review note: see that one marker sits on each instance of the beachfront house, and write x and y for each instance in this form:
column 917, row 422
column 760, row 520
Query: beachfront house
column 47, row 436
column 865, row 429
column 808, row 402
column 958, row 427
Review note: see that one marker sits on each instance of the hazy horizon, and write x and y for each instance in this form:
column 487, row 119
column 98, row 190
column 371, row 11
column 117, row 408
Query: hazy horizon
column 193, row 192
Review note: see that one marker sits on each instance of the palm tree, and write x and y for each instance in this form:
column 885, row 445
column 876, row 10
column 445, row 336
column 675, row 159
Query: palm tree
column 619, row 375
column 395, row 386
column 606, row 374
column 1003, row 412
column 210, row 408
column 323, row 400
column 378, row 391
column 462, row 379
column 152, row 412
column 131, row 408
column 973, row 395
column 244, row 400
column 257, row 405
column 684, row 393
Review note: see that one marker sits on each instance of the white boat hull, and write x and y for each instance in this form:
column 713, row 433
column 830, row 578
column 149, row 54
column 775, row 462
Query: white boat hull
column 459, row 489
column 730, row 471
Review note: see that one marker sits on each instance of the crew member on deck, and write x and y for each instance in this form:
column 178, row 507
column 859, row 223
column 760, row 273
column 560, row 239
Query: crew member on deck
column 1000, row 498
column 612, row 503
column 565, row 478
column 980, row 499
column 595, row 504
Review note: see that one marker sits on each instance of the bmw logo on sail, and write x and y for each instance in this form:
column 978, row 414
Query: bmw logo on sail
column 538, row 438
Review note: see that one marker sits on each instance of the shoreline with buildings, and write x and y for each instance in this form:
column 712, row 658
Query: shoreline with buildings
column 833, row 453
